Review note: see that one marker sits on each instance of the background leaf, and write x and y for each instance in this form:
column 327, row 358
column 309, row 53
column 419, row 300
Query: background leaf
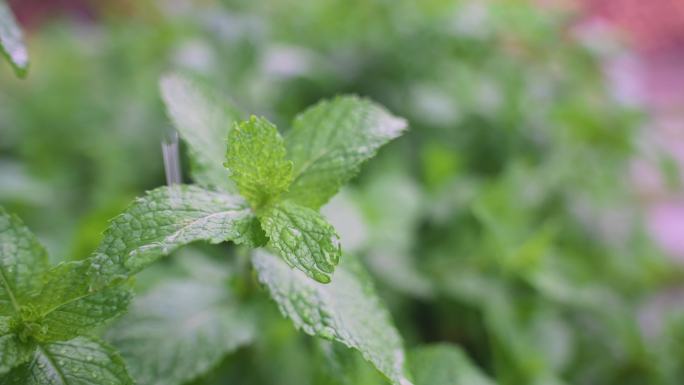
column 11, row 41
column 203, row 118
column 444, row 364
column 180, row 330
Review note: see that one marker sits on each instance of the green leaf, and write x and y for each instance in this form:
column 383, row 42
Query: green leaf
column 22, row 263
column 179, row 331
column 444, row 364
column 63, row 283
column 391, row 233
column 329, row 142
column 203, row 118
column 256, row 160
column 303, row 238
column 81, row 361
column 347, row 310
column 12, row 41
column 77, row 316
column 13, row 352
column 165, row 219
column 66, row 307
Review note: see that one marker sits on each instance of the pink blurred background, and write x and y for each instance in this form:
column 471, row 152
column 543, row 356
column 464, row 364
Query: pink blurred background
column 651, row 74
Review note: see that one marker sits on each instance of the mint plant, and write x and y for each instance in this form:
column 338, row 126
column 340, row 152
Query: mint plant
column 11, row 41
column 502, row 224
column 264, row 194
column 278, row 185
column 283, row 181
column 275, row 188
column 46, row 311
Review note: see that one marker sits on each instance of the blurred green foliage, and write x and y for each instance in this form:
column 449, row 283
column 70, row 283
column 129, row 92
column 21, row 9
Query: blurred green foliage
column 502, row 221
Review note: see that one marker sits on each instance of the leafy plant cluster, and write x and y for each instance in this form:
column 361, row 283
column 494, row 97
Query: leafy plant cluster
column 48, row 311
